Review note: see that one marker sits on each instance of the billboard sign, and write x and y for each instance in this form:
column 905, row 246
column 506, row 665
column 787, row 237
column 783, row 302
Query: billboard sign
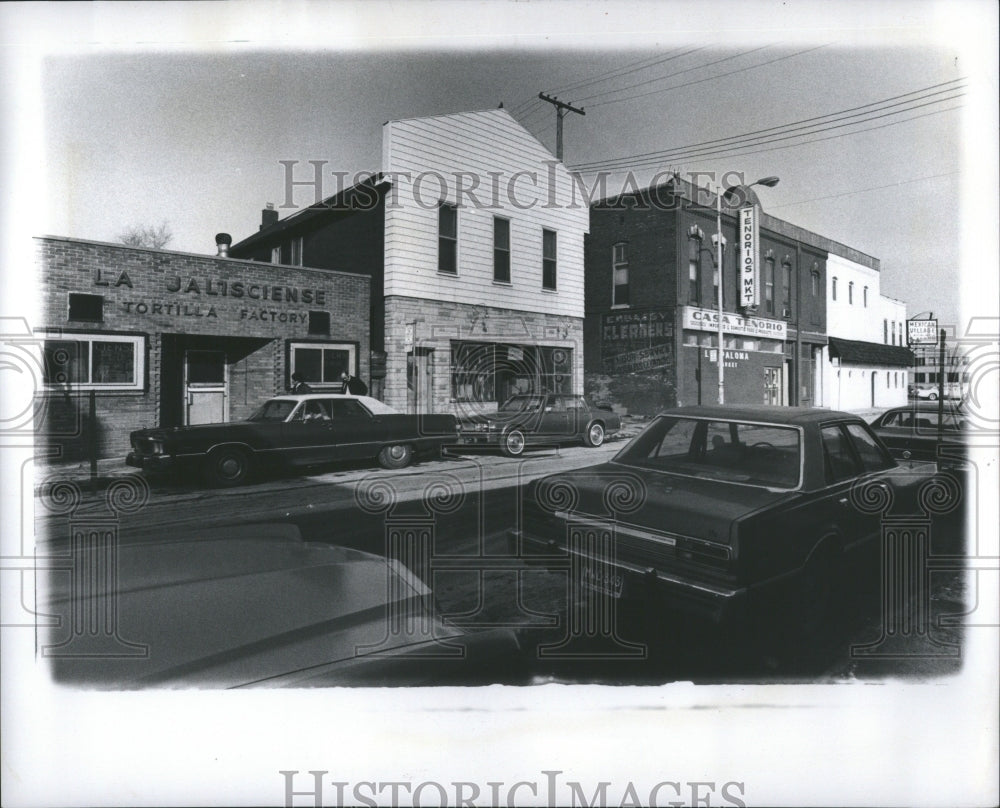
column 921, row 332
column 748, row 270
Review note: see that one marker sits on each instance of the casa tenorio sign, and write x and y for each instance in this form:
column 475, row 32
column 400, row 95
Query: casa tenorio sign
column 200, row 289
column 708, row 320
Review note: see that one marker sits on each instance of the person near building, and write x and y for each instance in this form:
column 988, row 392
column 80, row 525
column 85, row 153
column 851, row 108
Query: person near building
column 353, row 385
column 299, row 387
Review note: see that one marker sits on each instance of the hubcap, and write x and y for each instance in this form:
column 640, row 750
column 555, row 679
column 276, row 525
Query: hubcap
column 596, row 433
column 230, row 466
column 515, row 442
column 396, row 452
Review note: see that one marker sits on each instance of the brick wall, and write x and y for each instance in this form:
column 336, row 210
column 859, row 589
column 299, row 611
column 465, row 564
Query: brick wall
column 437, row 323
column 173, row 299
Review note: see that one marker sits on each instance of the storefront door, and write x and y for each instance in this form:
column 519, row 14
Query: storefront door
column 205, row 387
column 420, row 380
column 772, row 386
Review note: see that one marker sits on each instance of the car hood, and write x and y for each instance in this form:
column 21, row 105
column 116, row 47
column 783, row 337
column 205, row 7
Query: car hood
column 656, row 501
column 223, row 610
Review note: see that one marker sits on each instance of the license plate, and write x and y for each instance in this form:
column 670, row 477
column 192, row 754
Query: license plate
column 604, row 580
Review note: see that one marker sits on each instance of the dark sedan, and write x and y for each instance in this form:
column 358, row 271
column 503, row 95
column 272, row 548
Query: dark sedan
column 304, row 430
column 540, row 419
column 713, row 510
column 917, row 431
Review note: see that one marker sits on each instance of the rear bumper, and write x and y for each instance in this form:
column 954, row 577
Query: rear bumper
column 150, row 462
column 715, row 602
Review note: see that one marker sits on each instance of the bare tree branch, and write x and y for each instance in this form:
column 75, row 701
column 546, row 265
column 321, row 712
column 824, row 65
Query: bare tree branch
column 146, row 236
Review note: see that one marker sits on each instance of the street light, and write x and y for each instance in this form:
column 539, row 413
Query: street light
column 770, row 182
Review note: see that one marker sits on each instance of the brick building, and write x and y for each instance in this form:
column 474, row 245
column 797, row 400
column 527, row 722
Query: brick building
column 475, row 255
column 170, row 338
column 651, row 330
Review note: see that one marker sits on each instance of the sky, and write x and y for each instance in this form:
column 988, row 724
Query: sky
column 193, row 137
column 117, row 114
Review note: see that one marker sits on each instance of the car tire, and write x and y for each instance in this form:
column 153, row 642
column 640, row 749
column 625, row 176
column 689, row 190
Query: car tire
column 512, row 443
column 595, row 434
column 228, row 466
column 395, row 456
column 932, row 397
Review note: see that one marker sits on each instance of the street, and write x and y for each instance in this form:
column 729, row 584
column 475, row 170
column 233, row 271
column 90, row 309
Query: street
column 461, row 508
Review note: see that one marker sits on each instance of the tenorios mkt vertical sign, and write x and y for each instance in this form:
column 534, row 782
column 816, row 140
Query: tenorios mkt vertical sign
column 749, row 294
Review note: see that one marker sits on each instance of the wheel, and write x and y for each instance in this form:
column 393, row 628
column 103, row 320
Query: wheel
column 932, row 396
column 595, row 434
column 512, row 443
column 395, row 456
column 228, row 466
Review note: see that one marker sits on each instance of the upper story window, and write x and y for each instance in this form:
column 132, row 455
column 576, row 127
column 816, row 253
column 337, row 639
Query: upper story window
column 694, row 266
column 95, row 362
column 501, row 249
column 769, row 285
column 864, row 296
column 814, row 275
column 448, row 239
column 833, row 286
column 89, row 308
column 295, row 252
column 885, row 331
column 619, row 271
column 786, row 288
column 276, row 255
column 850, row 293
column 548, row 259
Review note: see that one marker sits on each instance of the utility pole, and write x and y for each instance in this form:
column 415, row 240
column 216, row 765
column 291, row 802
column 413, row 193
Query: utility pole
column 561, row 109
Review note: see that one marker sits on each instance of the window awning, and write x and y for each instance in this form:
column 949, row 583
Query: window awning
column 870, row 353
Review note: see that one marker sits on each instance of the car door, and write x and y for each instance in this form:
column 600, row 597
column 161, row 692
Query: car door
column 357, row 433
column 552, row 424
column 895, row 428
column 308, row 436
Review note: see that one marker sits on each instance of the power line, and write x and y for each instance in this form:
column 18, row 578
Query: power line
column 710, row 78
column 632, row 67
column 870, row 108
column 671, row 75
column 829, row 137
column 864, row 190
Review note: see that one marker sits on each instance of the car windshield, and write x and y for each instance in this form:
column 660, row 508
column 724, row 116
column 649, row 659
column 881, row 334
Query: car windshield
column 274, row 410
column 753, row 454
column 521, row 404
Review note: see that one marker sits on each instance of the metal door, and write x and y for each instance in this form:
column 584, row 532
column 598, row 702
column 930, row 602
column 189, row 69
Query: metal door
column 205, row 387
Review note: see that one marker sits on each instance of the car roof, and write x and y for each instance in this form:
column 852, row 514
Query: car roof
column 776, row 415
column 373, row 404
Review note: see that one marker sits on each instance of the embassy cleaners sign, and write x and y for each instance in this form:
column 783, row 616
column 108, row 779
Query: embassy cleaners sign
column 708, row 320
column 749, row 295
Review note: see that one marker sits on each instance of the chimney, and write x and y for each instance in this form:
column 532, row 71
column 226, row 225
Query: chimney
column 222, row 242
column 268, row 216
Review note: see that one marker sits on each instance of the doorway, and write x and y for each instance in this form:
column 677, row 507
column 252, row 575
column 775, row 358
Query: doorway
column 773, row 387
column 205, row 387
column 420, row 380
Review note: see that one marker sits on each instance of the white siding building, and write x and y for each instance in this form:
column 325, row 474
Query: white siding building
column 473, row 239
column 483, row 264
column 865, row 364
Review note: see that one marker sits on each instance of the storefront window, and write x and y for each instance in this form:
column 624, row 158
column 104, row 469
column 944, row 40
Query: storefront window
column 320, row 364
column 493, row 372
column 95, row 362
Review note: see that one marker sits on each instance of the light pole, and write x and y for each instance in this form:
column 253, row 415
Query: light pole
column 770, row 182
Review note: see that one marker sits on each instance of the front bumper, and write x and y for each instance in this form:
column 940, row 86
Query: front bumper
column 715, row 602
column 150, row 462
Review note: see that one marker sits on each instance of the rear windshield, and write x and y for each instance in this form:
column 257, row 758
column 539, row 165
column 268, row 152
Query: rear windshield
column 733, row 451
column 274, row 410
